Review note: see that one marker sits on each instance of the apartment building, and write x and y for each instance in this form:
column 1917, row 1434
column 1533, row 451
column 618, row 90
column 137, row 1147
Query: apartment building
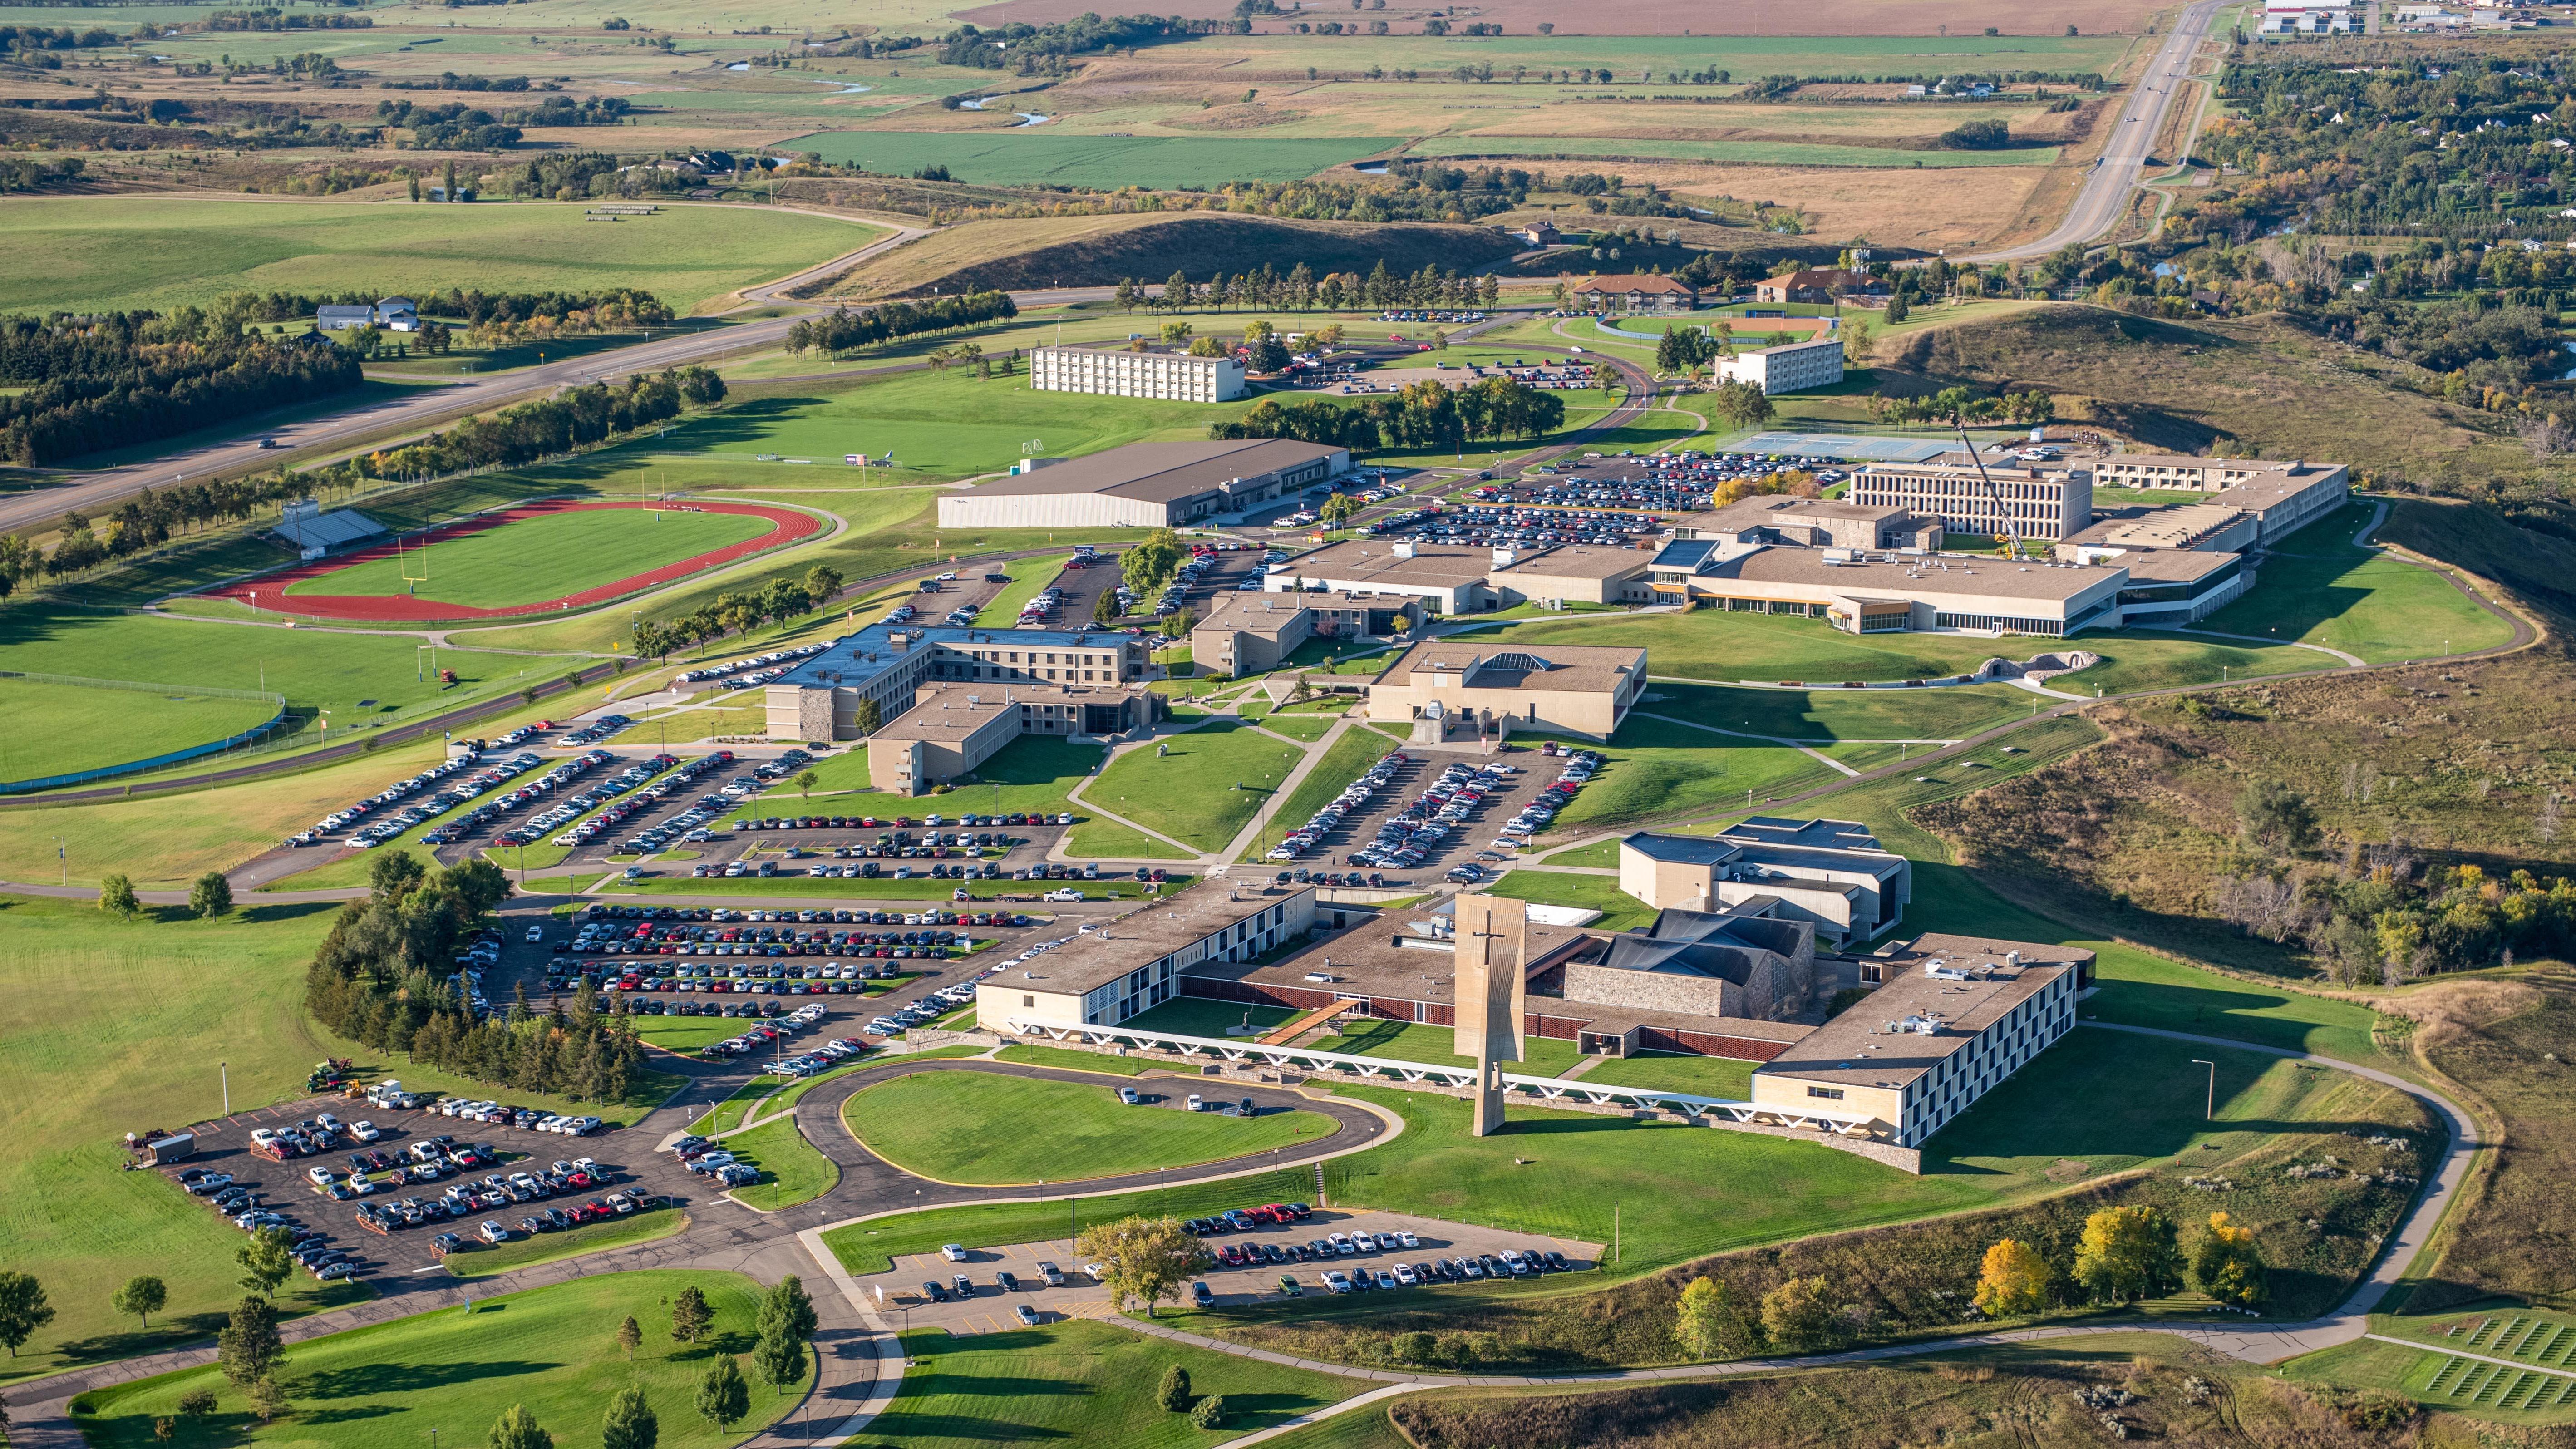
column 1172, row 376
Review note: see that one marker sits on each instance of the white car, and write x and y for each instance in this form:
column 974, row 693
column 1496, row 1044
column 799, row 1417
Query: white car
column 492, row 1232
column 536, row 934
column 1408, row 1240
column 953, row 1252
column 364, row 1131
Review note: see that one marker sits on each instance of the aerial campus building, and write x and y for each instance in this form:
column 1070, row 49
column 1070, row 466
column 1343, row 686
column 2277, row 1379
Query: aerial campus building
column 1454, row 579
column 1175, row 376
column 1147, row 485
column 928, row 683
column 1947, row 1017
column 1789, row 367
column 1253, row 633
column 1441, row 687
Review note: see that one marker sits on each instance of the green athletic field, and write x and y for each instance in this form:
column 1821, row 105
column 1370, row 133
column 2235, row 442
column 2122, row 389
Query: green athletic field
column 84, row 729
column 110, row 253
column 553, row 1350
column 536, row 559
column 984, row 1128
column 1036, row 157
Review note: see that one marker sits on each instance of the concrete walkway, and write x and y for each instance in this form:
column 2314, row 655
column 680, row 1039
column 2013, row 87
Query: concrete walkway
column 1252, row 829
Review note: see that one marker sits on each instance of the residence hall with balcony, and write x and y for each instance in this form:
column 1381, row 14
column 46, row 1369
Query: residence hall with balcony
column 819, row 698
column 1455, row 579
column 1252, row 633
column 1147, row 485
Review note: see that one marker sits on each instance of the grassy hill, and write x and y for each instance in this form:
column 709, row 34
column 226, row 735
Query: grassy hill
column 1081, row 251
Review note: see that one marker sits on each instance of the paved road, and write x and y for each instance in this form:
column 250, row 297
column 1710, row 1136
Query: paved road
column 2104, row 198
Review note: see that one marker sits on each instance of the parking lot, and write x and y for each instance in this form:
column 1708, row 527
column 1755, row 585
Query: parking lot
column 1470, row 841
column 990, row 1308
column 284, row 1187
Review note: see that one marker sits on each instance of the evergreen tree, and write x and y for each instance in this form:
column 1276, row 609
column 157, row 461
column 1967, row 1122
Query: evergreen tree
column 629, row 1423
column 248, row 1348
column 690, row 1315
column 788, row 1306
column 517, row 1429
column 724, row 1396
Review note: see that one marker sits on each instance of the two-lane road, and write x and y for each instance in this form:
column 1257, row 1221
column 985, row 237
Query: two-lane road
column 2105, row 195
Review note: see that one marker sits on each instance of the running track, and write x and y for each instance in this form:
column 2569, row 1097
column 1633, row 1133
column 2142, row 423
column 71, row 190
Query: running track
column 791, row 527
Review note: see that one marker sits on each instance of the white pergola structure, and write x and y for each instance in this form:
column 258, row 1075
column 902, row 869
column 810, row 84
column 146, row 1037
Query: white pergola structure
column 1714, row 1111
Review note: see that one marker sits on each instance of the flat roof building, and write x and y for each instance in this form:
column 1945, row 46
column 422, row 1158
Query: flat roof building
column 1877, row 593
column 1247, row 634
column 1445, row 686
column 1812, row 523
column 2042, row 502
column 953, row 728
column 1789, row 367
column 1831, row 874
column 1953, row 1018
column 1147, row 485
column 1175, row 376
column 887, row 664
column 1454, row 579
column 1103, row 977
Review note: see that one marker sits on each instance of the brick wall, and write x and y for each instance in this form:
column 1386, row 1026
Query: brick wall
column 1653, row 1038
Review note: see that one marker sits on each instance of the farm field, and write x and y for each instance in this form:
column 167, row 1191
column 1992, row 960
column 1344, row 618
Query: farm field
column 1077, row 1381
column 86, row 729
column 1192, row 794
column 552, row 1349
column 975, row 1127
column 115, row 253
column 1107, row 162
column 548, row 556
column 1758, row 153
column 1889, row 43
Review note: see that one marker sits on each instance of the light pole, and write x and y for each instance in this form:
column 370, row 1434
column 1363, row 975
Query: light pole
column 224, row 1070
column 2209, row 1112
column 62, row 857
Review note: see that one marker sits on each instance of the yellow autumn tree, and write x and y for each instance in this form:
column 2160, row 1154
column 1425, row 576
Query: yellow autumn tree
column 2227, row 1264
column 2014, row 1280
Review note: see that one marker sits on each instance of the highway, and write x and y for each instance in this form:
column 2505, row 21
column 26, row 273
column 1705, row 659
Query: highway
column 2105, row 195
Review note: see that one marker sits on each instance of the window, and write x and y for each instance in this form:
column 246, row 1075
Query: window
column 1830, row 1094
column 1029, row 1002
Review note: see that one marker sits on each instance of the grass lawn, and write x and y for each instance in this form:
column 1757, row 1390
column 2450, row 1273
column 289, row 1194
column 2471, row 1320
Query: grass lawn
column 1601, row 855
column 1020, row 158
column 2317, row 587
column 975, row 1127
column 728, row 1114
column 1654, row 768
column 87, row 729
column 1619, row 910
column 551, row 1349
column 481, row 1260
column 1191, row 794
column 1196, row 1016
column 1028, row 576
column 113, row 254
column 1304, row 728
column 870, row 1247
column 1071, row 1060
column 1824, row 716
column 1076, row 1381
column 1030, row 775
column 1407, row 1041
column 689, row 1033
column 2147, row 661
column 1348, row 759
column 792, row 1171
column 546, row 557
column 2440, row 1375
column 1704, row 1076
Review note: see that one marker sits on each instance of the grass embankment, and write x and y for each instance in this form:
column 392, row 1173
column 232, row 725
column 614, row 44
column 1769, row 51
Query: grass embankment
column 1080, row 1382
column 792, row 1171
column 1204, row 790
column 552, row 1349
column 1350, row 757
column 89, row 729
column 728, row 1114
column 976, row 1127
column 135, row 1015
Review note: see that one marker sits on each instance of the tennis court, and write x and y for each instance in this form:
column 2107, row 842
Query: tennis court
column 1857, row 446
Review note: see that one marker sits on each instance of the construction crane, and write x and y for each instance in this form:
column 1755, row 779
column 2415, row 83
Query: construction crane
column 1994, row 495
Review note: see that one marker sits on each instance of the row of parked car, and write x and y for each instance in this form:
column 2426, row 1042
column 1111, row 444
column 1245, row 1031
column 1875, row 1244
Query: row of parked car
column 710, row 1159
column 485, row 813
column 240, row 1203
column 1503, row 526
column 1409, row 836
column 1358, row 793
column 1535, row 817
column 898, row 822
column 394, row 794
column 607, row 726
column 830, row 1054
column 634, row 777
column 1466, row 1268
column 924, row 1011
column 548, row 787
column 758, row 661
column 760, row 1037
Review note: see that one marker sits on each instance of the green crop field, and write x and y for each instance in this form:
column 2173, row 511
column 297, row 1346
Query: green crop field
column 135, row 1017
column 108, row 253
column 552, row 1349
column 1741, row 153
column 1745, row 55
column 1075, row 1381
column 84, row 729
column 1204, row 790
column 546, row 557
column 1033, row 157
column 981, row 1128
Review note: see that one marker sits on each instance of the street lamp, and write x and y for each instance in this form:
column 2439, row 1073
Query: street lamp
column 2209, row 1112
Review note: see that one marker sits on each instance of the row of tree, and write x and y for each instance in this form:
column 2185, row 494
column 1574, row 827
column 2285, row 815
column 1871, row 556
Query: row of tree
column 87, row 393
column 1422, row 415
column 385, row 976
column 572, row 418
column 894, row 321
column 739, row 612
column 1299, row 289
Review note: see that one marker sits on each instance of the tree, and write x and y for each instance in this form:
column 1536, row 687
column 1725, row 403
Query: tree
column 2013, row 1281
column 1709, row 1324
column 116, row 897
column 1104, row 607
column 164, row 1429
column 1742, row 404
column 1339, row 509
column 267, row 1259
column 196, row 1404
column 868, row 718
column 1142, row 1258
column 141, row 1296
column 248, row 1347
column 629, row 1423
column 806, row 780
column 788, row 1304
column 2273, row 815
column 822, row 581
column 1152, row 560
column 724, row 1395
column 1798, row 1317
column 211, row 896
column 517, row 1429
column 2127, row 1253
column 1174, row 1391
column 630, row 1335
column 1209, row 1412
column 23, row 1309
column 393, row 874
column 690, row 1316
column 2228, row 1264
column 780, row 1356
column 268, row 1399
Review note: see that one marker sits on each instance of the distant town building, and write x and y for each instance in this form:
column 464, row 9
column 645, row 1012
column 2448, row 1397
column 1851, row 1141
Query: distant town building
column 393, row 314
column 1789, row 367
column 1636, row 293
column 1815, row 284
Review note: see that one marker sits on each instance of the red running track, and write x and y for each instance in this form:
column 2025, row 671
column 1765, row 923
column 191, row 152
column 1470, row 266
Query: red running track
column 791, row 527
